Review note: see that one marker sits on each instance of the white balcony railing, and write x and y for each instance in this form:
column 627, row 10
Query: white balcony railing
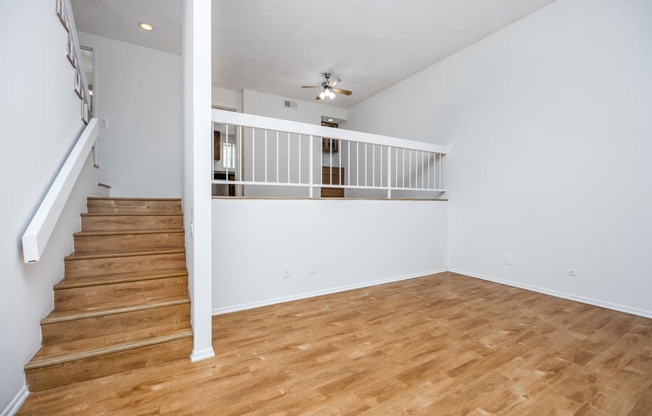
column 260, row 152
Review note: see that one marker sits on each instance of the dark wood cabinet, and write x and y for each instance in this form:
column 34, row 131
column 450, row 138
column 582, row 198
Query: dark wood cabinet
column 337, row 175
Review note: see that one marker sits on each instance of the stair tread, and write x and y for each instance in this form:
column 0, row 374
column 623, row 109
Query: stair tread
column 124, row 302
column 85, row 281
column 132, row 214
column 127, row 198
column 91, row 311
column 122, row 253
column 106, row 344
column 128, row 232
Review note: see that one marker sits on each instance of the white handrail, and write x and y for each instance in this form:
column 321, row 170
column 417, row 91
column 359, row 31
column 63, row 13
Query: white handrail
column 40, row 228
column 259, row 122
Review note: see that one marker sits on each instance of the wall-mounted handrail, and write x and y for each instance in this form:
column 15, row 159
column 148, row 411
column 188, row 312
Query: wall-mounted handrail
column 73, row 53
column 40, row 228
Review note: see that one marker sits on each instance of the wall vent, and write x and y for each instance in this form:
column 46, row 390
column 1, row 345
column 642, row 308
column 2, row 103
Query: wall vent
column 291, row 104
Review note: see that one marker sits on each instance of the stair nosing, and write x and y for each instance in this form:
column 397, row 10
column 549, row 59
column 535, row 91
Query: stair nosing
column 113, row 311
column 135, row 278
column 126, row 198
column 90, row 255
column 104, row 233
column 107, row 350
column 132, row 214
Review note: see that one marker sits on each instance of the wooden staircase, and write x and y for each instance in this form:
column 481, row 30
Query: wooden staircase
column 123, row 303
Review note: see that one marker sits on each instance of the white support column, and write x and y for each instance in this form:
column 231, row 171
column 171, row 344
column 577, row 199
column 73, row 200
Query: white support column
column 197, row 137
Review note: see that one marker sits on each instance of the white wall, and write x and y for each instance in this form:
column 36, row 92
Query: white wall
column 139, row 90
column 39, row 123
column 227, row 98
column 549, row 125
column 269, row 105
column 355, row 243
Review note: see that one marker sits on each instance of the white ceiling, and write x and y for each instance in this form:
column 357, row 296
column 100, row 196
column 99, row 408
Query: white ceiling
column 275, row 46
column 118, row 19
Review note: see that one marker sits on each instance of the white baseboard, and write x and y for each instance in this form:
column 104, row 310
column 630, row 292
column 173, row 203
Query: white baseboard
column 18, row 400
column 202, row 355
column 595, row 302
column 274, row 301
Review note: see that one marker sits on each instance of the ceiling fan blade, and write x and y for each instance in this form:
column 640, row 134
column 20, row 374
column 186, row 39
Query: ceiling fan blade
column 318, row 97
column 310, row 86
column 333, row 81
column 341, row 91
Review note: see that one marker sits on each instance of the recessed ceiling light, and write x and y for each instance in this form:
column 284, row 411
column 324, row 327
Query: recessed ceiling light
column 330, row 119
column 145, row 26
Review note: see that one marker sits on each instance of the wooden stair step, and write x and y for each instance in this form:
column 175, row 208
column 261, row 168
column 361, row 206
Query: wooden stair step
column 112, row 262
column 145, row 316
column 130, row 221
column 83, row 359
column 123, row 303
column 109, row 254
column 175, row 288
column 144, row 205
column 96, row 311
column 83, row 281
column 120, row 294
column 102, row 233
column 128, row 239
column 90, row 347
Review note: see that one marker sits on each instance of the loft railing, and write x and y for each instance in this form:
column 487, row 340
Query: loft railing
column 73, row 53
column 259, row 151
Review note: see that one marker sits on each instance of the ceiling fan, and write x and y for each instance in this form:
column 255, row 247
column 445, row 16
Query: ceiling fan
column 328, row 89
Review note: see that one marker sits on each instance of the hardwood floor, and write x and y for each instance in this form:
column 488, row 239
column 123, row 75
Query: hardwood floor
column 439, row 345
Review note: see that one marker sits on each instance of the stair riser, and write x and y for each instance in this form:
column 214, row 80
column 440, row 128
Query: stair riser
column 131, row 223
column 85, row 369
column 59, row 332
column 84, row 244
column 96, row 267
column 120, row 293
column 135, row 206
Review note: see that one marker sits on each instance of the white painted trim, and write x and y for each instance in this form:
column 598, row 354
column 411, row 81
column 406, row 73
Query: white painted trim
column 40, row 229
column 260, row 122
column 15, row 403
column 202, row 355
column 274, row 301
column 595, row 302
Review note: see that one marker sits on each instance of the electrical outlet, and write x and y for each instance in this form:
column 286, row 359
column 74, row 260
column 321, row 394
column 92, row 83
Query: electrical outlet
column 104, row 122
column 313, row 267
column 508, row 259
column 572, row 272
column 286, row 271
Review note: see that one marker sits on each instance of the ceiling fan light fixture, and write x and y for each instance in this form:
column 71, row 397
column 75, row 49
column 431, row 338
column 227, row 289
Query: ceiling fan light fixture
column 322, row 95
